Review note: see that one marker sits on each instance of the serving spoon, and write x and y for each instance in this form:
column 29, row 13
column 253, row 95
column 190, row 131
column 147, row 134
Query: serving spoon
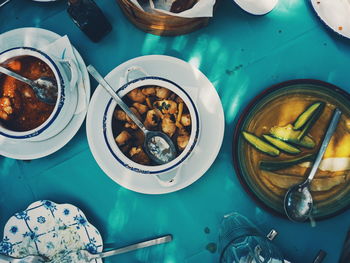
column 44, row 88
column 298, row 202
column 87, row 256
column 157, row 145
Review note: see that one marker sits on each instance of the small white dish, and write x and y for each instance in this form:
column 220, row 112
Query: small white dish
column 257, row 7
column 29, row 150
column 335, row 14
column 46, row 228
column 212, row 124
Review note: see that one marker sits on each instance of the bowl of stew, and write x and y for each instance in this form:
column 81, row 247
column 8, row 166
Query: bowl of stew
column 161, row 105
column 22, row 114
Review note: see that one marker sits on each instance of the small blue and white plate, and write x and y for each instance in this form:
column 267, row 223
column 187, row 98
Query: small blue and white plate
column 46, row 228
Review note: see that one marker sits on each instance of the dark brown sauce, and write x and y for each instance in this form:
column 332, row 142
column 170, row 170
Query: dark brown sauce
column 20, row 109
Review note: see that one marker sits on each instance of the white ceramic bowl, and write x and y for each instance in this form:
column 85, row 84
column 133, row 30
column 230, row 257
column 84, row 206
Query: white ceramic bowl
column 108, row 133
column 66, row 75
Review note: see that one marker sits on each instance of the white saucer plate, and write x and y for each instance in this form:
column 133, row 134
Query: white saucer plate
column 46, row 228
column 29, row 150
column 212, row 124
column 335, row 14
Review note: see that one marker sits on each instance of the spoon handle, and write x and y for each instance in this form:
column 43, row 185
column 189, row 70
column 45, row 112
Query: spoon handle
column 4, row 3
column 152, row 242
column 331, row 128
column 16, row 76
column 114, row 95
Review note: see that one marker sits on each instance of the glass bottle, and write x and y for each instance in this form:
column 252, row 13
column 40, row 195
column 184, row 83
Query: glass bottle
column 89, row 18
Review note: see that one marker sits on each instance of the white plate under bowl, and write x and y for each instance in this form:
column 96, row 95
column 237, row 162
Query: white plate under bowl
column 335, row 14
column 29, row 150
column 212, row 124
column 36, row 230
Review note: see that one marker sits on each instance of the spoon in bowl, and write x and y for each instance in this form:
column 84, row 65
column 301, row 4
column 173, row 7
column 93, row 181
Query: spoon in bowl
column 298, row 202
column 157, row 145
column 44, row 88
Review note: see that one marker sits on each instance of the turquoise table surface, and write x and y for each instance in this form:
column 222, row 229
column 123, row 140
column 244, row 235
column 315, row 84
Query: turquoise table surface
column 241, row 55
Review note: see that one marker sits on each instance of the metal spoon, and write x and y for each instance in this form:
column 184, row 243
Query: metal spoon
column 4, row 3
column 158, row 146
column 89, row 256
column 161, row 240
column 298, row 202
column 45, row 88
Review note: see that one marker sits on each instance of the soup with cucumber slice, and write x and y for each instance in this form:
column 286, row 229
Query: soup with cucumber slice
column 293, row 123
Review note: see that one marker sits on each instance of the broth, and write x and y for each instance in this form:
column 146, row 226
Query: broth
column 281, row 111
column 20, row 109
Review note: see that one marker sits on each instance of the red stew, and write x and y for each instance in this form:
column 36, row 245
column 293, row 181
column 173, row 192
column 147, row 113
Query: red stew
column 20, row 109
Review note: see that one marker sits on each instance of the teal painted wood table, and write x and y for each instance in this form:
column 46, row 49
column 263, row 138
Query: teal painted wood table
column 241, row 55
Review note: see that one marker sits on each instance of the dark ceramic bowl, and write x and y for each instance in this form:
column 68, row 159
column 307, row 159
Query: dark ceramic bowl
column 280, row 105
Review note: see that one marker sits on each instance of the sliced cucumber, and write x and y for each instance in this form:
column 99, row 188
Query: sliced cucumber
column 260, row 144
column 282, row 144
column 307, row 115
column 278, row 165
column 306, row 142
column 286, row 133
column 311, row 121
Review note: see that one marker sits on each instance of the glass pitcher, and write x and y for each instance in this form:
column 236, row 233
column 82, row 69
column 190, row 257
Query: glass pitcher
column 241, row 242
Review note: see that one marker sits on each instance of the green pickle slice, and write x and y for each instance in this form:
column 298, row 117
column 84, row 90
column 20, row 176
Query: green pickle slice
column 260, row 144
column 282, row 164
column 286, row 133
column 307, row 115
column 282, row 145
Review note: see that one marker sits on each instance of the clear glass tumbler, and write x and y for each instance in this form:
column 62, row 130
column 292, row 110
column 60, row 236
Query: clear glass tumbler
column 241, row 242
